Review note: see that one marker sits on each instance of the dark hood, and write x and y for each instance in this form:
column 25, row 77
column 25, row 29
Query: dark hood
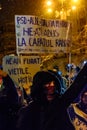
column 40, row 79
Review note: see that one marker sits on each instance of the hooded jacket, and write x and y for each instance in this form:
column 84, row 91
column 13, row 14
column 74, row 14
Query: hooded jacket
column 43, row 115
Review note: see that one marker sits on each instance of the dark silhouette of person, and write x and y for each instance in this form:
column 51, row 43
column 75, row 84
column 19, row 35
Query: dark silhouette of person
column 76, row 71
column 24, row 98
column 48, row 109
column 8, row 102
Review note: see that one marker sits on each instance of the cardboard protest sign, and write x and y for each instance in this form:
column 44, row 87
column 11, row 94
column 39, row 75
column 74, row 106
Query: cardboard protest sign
column 22, row 68
column 37, row 35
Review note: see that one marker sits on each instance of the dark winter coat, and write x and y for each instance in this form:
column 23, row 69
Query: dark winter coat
column 52, row 116
column 8, row 104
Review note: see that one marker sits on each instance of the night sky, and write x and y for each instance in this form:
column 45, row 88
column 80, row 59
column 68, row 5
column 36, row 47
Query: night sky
column 24, row 7
column 19, row 7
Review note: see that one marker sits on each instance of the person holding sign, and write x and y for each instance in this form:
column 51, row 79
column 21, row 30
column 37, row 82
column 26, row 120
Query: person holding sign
column 8, row 102
column 48, row 109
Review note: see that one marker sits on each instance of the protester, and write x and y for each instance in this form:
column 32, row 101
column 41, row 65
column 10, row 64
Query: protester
column 78, row 112
column 48, row 110
column 8, row 102
column 76, row 71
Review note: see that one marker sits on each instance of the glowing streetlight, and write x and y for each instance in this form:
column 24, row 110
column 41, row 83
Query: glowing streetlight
column 49, row 10
column 73, row 7
column 49, row 6
column 49, row 3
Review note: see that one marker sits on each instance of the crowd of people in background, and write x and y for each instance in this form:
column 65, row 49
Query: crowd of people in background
column 45, row 108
